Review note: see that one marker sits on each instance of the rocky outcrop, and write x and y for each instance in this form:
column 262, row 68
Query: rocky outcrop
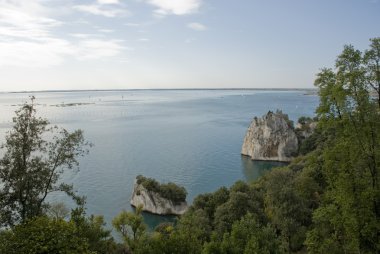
column 271, row 138
column 154, row 203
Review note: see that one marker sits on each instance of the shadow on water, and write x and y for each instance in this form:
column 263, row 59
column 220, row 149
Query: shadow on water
column 252, row 170
column 153, row 220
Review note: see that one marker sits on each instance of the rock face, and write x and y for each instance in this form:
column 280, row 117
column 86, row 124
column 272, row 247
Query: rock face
column 271, row 138
column 152, row 202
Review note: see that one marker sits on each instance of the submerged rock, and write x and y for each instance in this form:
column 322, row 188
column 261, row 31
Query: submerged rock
column 271, row 138
column 153, row 202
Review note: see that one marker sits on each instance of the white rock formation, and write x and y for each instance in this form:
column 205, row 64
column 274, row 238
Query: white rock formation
column 152, row 202
column 270, row 138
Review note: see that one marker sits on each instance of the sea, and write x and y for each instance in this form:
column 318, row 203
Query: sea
column 190, row 137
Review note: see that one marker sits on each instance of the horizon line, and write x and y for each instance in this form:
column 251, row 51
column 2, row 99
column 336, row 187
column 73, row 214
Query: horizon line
column 152, row 89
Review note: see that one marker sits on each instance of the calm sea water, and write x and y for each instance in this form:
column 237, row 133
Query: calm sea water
column 190, row 137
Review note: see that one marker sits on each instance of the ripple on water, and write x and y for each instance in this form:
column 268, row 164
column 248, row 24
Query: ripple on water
column 192, row 138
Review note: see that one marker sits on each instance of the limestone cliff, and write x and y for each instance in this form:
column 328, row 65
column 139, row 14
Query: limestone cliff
column 271, row 138
column 153, row 202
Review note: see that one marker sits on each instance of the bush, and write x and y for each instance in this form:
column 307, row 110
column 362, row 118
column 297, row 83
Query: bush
column 44, row 235
column 305, row 120
column 170, row 191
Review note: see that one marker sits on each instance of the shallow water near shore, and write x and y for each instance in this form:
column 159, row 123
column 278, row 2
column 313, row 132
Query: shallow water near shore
column 189, row 137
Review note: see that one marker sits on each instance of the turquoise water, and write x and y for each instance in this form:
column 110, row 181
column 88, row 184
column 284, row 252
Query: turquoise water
column 190, row 137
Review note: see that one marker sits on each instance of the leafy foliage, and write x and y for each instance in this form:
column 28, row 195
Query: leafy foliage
column 35, row 157
column 247, row 236
column 131, row 227
column 93, row 229
column 170, row 191
column 43, row 235
column 348, row 218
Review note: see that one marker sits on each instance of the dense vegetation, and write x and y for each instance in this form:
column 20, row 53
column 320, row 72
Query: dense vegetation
column 326, row 201
column 170, row 191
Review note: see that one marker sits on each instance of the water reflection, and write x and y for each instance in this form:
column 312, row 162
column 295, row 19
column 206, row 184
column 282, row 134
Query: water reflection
column 192, row 138
column 153, row 220
column 252, row 170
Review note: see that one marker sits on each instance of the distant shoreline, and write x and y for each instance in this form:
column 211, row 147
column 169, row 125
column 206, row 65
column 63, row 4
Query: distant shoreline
column 162, row 89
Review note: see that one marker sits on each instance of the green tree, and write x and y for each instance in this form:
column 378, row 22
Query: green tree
column 285, row 208
column 210, row 201
column 43, row 235
column 248, row 236
column 58, row 211
column 372, row 62
column 348, row 219
column 235, row 208
column 36, row 155
column 196, row 225
column 93, row 229
column 188, row 236
column 131, row 227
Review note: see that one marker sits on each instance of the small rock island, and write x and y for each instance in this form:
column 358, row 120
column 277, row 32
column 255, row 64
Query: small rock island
column 162, row 199
column 271, row 138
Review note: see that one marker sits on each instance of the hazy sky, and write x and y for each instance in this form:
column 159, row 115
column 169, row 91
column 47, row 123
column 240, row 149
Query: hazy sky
column 105, row 44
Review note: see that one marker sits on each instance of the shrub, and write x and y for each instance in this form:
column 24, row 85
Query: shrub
column 170, row 191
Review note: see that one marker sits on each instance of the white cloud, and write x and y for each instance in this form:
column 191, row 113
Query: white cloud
column 53, row 52
column 102, row 10
column 94, row 49
column 47, row 53
column 197, row 26
column 108, row 1
column 25, row 18
column 176, row 7
column 25, row 35
column 27, row 38
column 82, row 35
column 133, row 24
column 106, row 31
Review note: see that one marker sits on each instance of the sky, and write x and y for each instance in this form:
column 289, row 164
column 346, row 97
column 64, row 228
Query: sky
column 149, row 44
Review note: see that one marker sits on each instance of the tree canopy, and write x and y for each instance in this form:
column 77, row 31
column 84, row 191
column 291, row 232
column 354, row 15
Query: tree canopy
column 170, row 191
column 36, row 155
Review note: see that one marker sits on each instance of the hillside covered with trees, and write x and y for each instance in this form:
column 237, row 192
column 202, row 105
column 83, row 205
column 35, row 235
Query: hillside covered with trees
column 325, row 201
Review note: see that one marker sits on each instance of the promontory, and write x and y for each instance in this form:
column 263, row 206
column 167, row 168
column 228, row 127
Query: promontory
column 162, row 199
column 271, row 138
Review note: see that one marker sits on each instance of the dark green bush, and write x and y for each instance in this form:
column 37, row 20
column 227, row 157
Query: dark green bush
column 170, row 191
